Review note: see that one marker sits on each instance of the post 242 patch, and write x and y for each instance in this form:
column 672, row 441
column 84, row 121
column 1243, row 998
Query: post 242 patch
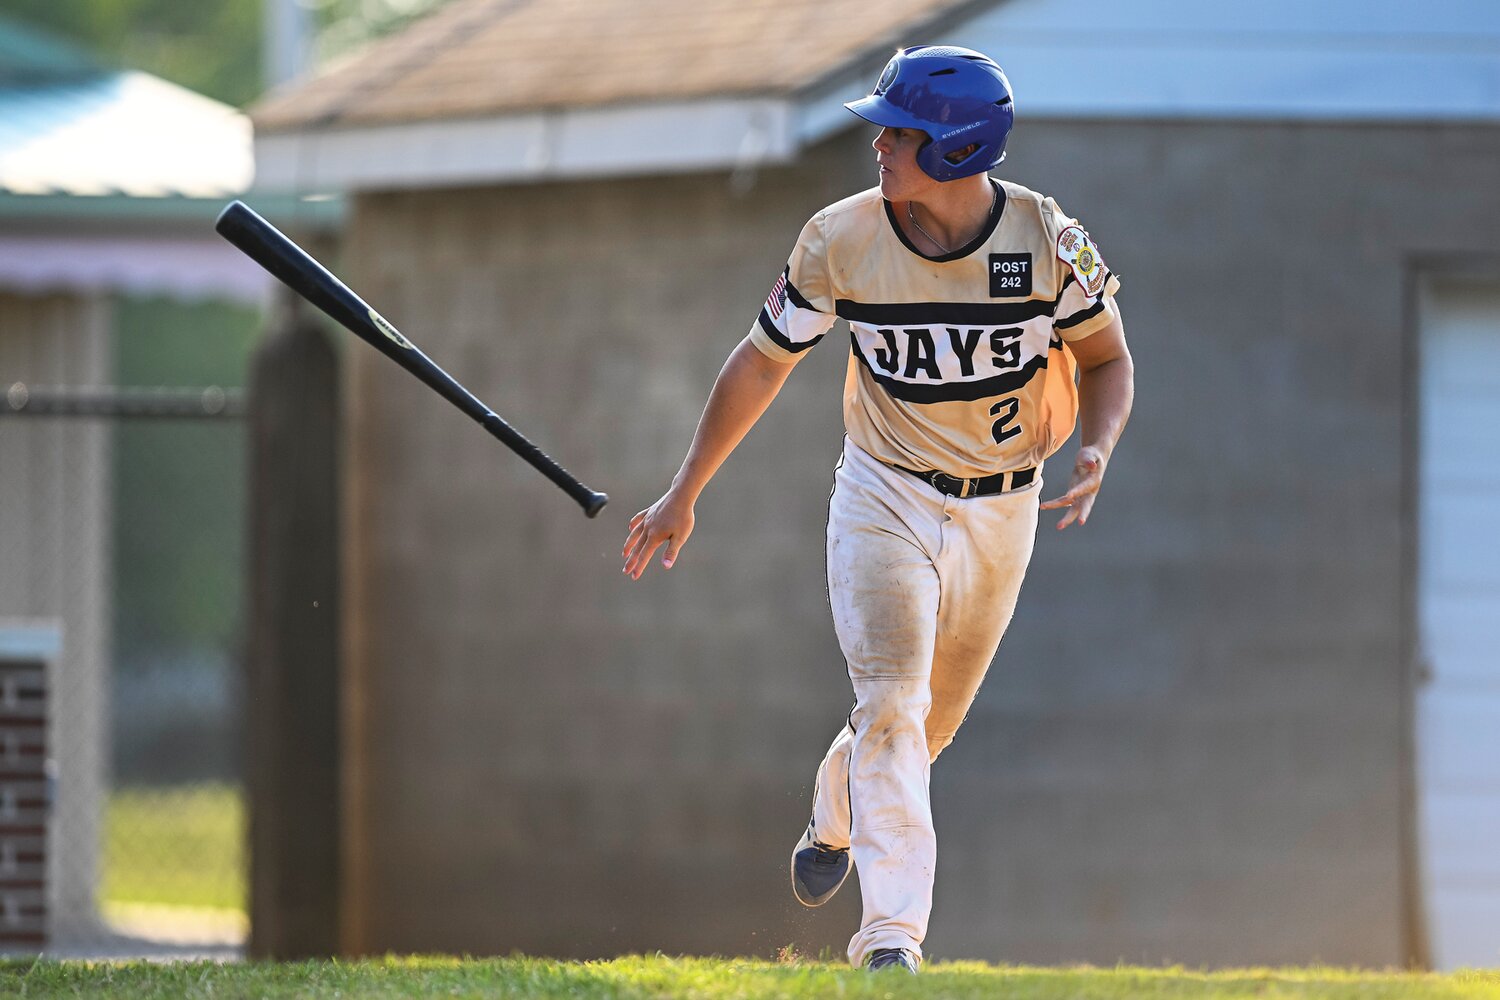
column 1075, row 250
column 1010, row 274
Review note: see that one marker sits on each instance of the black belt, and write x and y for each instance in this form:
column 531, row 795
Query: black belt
column 952, row 486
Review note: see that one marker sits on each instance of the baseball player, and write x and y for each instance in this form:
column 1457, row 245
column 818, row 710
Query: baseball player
column 982, row 319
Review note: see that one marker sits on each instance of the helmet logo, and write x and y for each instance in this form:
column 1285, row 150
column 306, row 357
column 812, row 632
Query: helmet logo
column 887, row 77
column 961, row 130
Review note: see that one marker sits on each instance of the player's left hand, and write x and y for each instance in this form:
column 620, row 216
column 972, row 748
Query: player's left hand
column 1088, row 474
column 669, row 521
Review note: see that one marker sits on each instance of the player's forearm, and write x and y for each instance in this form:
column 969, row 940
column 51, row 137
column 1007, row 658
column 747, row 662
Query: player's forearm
column 744, row 389
column 1105, row 397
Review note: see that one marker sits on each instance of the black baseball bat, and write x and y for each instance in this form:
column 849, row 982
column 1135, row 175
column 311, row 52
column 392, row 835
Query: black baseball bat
column 272, row 250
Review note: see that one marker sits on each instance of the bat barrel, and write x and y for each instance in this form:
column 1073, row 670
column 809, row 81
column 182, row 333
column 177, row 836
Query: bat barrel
column 263, row 243
column 272, row 250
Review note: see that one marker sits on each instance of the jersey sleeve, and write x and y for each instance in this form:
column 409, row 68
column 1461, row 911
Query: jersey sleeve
column 1086, row 297
column 800, row 309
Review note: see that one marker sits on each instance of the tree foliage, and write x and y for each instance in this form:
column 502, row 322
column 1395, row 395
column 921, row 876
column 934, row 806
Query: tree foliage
column 211, row 46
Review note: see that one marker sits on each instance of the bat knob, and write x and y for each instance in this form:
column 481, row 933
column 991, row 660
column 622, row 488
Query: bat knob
column 595, row 503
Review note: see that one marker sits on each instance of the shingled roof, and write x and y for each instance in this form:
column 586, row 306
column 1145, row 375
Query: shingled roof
column 514, row 91
column 476, row 58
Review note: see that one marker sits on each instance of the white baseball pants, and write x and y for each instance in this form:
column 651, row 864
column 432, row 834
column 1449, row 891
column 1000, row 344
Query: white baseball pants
column 922, row 588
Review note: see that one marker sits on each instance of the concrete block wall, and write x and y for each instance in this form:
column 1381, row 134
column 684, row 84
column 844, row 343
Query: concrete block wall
column 1191, row 746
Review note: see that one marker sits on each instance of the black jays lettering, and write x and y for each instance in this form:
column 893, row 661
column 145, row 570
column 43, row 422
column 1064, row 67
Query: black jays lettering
column 1006, row 346
column 921, row 353
column 964, row 342
column 913, row 351
column 889, row 356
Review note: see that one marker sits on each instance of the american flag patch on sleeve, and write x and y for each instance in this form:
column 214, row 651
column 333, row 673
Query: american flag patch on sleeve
column 776, row 301
column 788, row 324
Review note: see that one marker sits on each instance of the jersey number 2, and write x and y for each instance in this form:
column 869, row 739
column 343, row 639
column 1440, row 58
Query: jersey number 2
column 1006, row 410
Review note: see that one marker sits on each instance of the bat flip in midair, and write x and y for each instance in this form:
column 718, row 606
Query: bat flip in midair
column 268, row 247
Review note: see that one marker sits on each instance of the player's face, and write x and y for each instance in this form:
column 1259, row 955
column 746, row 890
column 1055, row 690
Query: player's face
column 896, row 154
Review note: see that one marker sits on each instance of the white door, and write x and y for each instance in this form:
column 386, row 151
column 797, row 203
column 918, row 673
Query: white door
column 1458, row 598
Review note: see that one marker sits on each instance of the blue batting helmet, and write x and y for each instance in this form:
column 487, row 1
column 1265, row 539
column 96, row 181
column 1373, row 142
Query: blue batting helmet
column 956, row 95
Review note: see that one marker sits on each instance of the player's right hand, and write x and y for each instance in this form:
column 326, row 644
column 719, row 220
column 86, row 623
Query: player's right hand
column 669, row 521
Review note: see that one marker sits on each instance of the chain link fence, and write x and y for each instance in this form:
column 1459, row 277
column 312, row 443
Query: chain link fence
column 121, row 576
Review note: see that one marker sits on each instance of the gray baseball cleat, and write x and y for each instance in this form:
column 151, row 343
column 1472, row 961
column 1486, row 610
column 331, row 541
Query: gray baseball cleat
column 817, row 870
column 891, row 958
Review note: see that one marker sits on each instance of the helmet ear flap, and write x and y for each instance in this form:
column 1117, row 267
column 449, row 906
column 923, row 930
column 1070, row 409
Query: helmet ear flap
column 930, row 163
column 924, row 154
column 936, row 163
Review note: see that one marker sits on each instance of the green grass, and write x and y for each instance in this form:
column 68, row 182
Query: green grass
column 712, row 979
column 178, row 846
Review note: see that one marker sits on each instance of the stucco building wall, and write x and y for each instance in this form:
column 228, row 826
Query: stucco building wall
column 1192, row 745
column 55, row 571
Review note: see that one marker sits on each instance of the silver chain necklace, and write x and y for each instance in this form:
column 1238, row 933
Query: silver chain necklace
column 925, row 233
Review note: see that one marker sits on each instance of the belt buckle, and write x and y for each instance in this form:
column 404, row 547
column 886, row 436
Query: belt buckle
column 951, row 485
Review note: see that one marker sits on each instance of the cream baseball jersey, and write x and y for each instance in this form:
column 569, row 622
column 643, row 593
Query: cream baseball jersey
column 957, row 363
